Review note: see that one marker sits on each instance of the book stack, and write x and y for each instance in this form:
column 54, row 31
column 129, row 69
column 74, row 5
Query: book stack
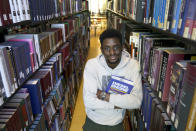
column 175, row 16
column 41, row 64
column 19, row 109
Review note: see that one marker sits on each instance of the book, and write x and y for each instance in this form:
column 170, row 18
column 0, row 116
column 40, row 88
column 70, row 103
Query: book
column 28, row 106
column 5, row 69
column 170, row 56
column 22, row 62
column 190, row 18
column 35, row 91
column 62, row 26
column 149, row 44
column 182, row 17
column 165, row 123
column 18, row 107
column 176, row 14
column 170, row 15
column 16, row 6
column 149, row 111
column 23, row 109
column 156, row 66
column 26, row 38
column 45, row 80
column 155, row 103
column 7, row 120
column 119, row 85
column 186, row 97
column 191, row 122
column 177, row 79
column 140, row 10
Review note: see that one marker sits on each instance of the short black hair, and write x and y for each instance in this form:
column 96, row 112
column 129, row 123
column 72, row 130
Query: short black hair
column 110, row 33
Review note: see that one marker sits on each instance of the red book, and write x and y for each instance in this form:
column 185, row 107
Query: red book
column 45, row 80
column 17, row 123
column 174, row 55
column 8, row 12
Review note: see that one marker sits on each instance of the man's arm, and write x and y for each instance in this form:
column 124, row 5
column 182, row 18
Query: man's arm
column 90, row 88
column 126, row 101
column 102, row 95
column 134, row 99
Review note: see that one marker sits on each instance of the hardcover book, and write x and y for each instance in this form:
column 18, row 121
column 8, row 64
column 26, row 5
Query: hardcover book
column 186, row 97
column 118, row 85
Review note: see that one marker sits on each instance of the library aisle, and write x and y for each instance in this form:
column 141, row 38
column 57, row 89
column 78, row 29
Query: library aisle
column 79, row 112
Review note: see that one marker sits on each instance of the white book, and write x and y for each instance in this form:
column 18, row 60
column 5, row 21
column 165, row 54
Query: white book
column 62, row 26
column 21, row 10
column 37, row 48
column 27, row 9
column 1, row 22
column 58, row 56
column 8, row 87
column 13, row 11
column 18, row 19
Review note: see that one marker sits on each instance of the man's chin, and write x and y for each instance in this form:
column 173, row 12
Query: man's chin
column 113, row 61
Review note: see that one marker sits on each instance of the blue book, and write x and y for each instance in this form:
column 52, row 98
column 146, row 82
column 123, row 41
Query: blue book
column 17, row 61
column 182, row 17
column 190, row 19
column 176, row 14
column 34, row 90
column 147, row 11
column 142, row 105
column 119, row 85
column 155, row 14
column 148, row 91
column 24, row 54
column 150, row 98
column 163, row 13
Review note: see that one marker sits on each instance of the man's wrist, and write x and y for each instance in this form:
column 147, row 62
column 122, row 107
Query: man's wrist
column 103, row 95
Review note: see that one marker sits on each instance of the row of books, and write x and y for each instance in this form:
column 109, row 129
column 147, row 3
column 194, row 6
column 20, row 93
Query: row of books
column 51, row 97
column 175, row 16
column 19, row 112
column 153, row 112
column 170, row 85
column 181, row 101
column 163, row 65
column 14, row 11
column 17, row 67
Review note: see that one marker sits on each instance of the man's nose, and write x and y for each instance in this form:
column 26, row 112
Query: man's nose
column 111, row 51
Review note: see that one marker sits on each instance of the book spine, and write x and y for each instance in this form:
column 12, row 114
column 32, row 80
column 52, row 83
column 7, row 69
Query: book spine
column 27, row 9
column 5, row 76
column 13, row 11
column 162, row 74
column 192, row 115
column 171, row 60
column 182, row 17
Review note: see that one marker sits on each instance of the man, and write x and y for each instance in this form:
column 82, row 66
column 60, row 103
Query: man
column 106, row 111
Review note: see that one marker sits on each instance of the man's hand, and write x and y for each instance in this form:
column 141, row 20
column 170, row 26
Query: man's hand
column 100, row 95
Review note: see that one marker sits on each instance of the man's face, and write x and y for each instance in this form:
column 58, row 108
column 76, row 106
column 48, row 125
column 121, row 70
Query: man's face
column 112, row 50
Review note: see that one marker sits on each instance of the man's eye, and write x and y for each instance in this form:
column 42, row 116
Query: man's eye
column 106, row 49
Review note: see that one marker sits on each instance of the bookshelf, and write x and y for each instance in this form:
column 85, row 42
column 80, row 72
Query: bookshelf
column 45, row 98
column 166, row 101
column 187, row 41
